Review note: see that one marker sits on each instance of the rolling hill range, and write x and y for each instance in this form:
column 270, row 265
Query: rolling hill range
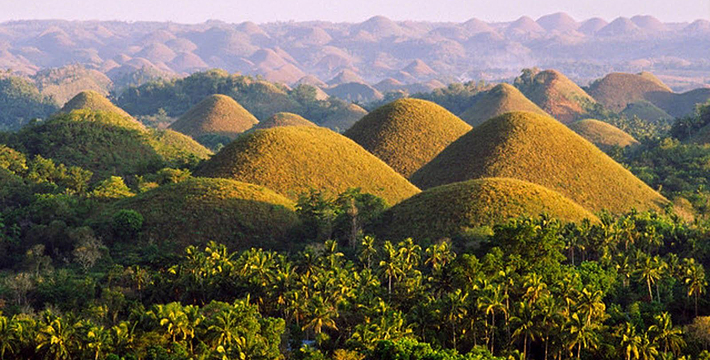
column 292, row 160
column 407, row 133
column 497, row 101
column 449, row 210
column 215, row 115
column 543, row 151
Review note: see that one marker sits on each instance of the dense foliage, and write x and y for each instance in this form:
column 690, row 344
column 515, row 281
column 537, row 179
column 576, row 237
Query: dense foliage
column 21, row 102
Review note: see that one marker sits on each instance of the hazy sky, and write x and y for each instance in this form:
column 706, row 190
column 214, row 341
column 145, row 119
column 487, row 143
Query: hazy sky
column 193, row 11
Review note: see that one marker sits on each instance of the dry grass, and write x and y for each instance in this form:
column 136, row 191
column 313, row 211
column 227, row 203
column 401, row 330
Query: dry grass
column 543, row 151
column 197, row 210
column 499, row 100
column 283, row 119
column 617, row 90
column 216, row 114
column 558, row 96
column 292, row 160
column 407, row 133
column 449, row 210
column 604, row 136
column 94, row 101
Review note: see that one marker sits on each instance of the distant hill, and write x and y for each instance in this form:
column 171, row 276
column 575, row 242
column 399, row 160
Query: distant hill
column 344, row 117
column 448, row 211
column 283, row 119
column 499, row 100
column 646, row 110
column 21, row 102
column 540, row 150
column 617, row 90
column 407, row 133
column 199, row 210
column 215, row 115
column 355, row 92
column 604, row 136
column 679, row 105
column 292, row 160
column 64, row 83
column 94, row 101
column 555, row 94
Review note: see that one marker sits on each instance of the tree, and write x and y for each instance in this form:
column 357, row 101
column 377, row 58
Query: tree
column 649, row 270
column 582, row 334
column 694, row 280
column 525, row 324
column 491, row 303
column 629, row 341
column 664, row 334
column 591, row 304
column 56, row 338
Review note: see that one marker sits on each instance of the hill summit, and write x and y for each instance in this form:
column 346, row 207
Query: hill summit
column 555, row 93
column 283, row 119
column 407, row 133
column 497, row 101
column 292, row 160
column 94, row 101
column 215, row 115
column 543, row 151
column 617, row 90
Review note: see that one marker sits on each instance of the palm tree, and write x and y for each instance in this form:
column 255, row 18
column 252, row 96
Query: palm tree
column 629, row 342
column 582, row 334
column 663, row 333
column 320, row 315
column 367, row 251
column 491, row 303
column 647, row 349
column 6, row 336
column 549, row 318
column 455, row 310
column 649, row 271
column 390, row 265
column 56, row 338
column 694, row 280
column 590, row 303
column 224, row 330
column 97, row 340
column 525, row 324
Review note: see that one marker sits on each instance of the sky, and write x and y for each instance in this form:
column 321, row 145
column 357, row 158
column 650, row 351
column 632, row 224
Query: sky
column 261, row 11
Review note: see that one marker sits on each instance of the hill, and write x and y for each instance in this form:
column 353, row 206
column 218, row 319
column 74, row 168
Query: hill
column 605, row 136
column 617, row 90
column 646, row 110
column 198, row 210
column 215, row 115
column 283, row 119
column 407, row 133
column 94, row 101
column 107, row 144
column 679, row 105
column 21, row 102
column 555, row 94
column 343, row 117
column 292, row 160
column 497, row 101
column 64, row 83
column 450, row 210
column 355, row 92
column 543, row 151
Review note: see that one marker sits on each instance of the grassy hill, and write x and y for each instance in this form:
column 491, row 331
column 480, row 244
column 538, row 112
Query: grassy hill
column 617, row 90
column 283, row 119
column 107, row 144
column 556, row 94
column 497, row 101
column 21, row 102
column 344, row 117
column 407, row 133
column 94, row 101
column 64, row 83
column 292, row 160
column 449, row 210
column 215, row 115
column 679, row 105
column 646, row 110
column 543, row 151
column 198, row 210
column 605, row 136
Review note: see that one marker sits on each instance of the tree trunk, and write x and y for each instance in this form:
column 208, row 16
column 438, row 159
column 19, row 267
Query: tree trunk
column 650, row 293
column 547, row 343
column 525, row 348
column 579, row 350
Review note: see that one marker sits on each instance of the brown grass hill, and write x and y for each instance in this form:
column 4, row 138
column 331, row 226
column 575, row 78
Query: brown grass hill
column 556, row 94
column 605, row 136
column 344, row 77
column 107, row 144
column 407, row 133
column 543, row 151
column 355, row 92
column 292, row 160
column 199, row 210
column 344, row 117
column 450, row 210
column 215, row 115
column 680, row 105
column 501, row 99
column 617, row 90
column 64, row 83
column 646, row 110
column 94, row 101
column 283, row 119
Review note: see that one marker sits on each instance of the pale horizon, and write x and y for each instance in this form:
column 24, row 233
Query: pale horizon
column 190, row 12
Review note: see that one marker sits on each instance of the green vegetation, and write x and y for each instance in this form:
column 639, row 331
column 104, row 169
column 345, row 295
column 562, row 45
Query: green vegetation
column 215, row 115
column 407, row 133
column 93, row 101
column 64, row 83
column 199, row 210
column 450, row 211
column 555, row 94
column 646, row 110
column 292, row 160
column 283, row 119
column 605, row 136
column 21, row 102
column 456, row 97
column 543, row 151
column 503, row 98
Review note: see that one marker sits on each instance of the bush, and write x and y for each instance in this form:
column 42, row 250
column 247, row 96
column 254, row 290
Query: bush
column 127, row 223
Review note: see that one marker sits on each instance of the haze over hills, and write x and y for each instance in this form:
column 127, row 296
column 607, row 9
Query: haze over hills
column 371, row 51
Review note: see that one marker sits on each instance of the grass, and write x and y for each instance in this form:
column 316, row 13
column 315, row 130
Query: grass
column 646, row 110
column 605, row 136
column 679, row 105
column 407, row 133
column 215, row 115
column 283, row 119
column 292, row 160
column 198, row 210
column 617, row 90
column 342, row 119
column 557, row 95
column 497, row 101
column 543, row 151
column 450, row 210
column 94, row 101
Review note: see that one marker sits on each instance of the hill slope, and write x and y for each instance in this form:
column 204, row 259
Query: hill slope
column 215, row 115
column 448, row 210
column 540, row 150
column 283, row 119
column 604, row 136
column 556, row 94
column 497, row 101
column 407, row 133
column 94, row 101
column 21, row 102
column 617, row 90
column 198, row 210
column 292, row 160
